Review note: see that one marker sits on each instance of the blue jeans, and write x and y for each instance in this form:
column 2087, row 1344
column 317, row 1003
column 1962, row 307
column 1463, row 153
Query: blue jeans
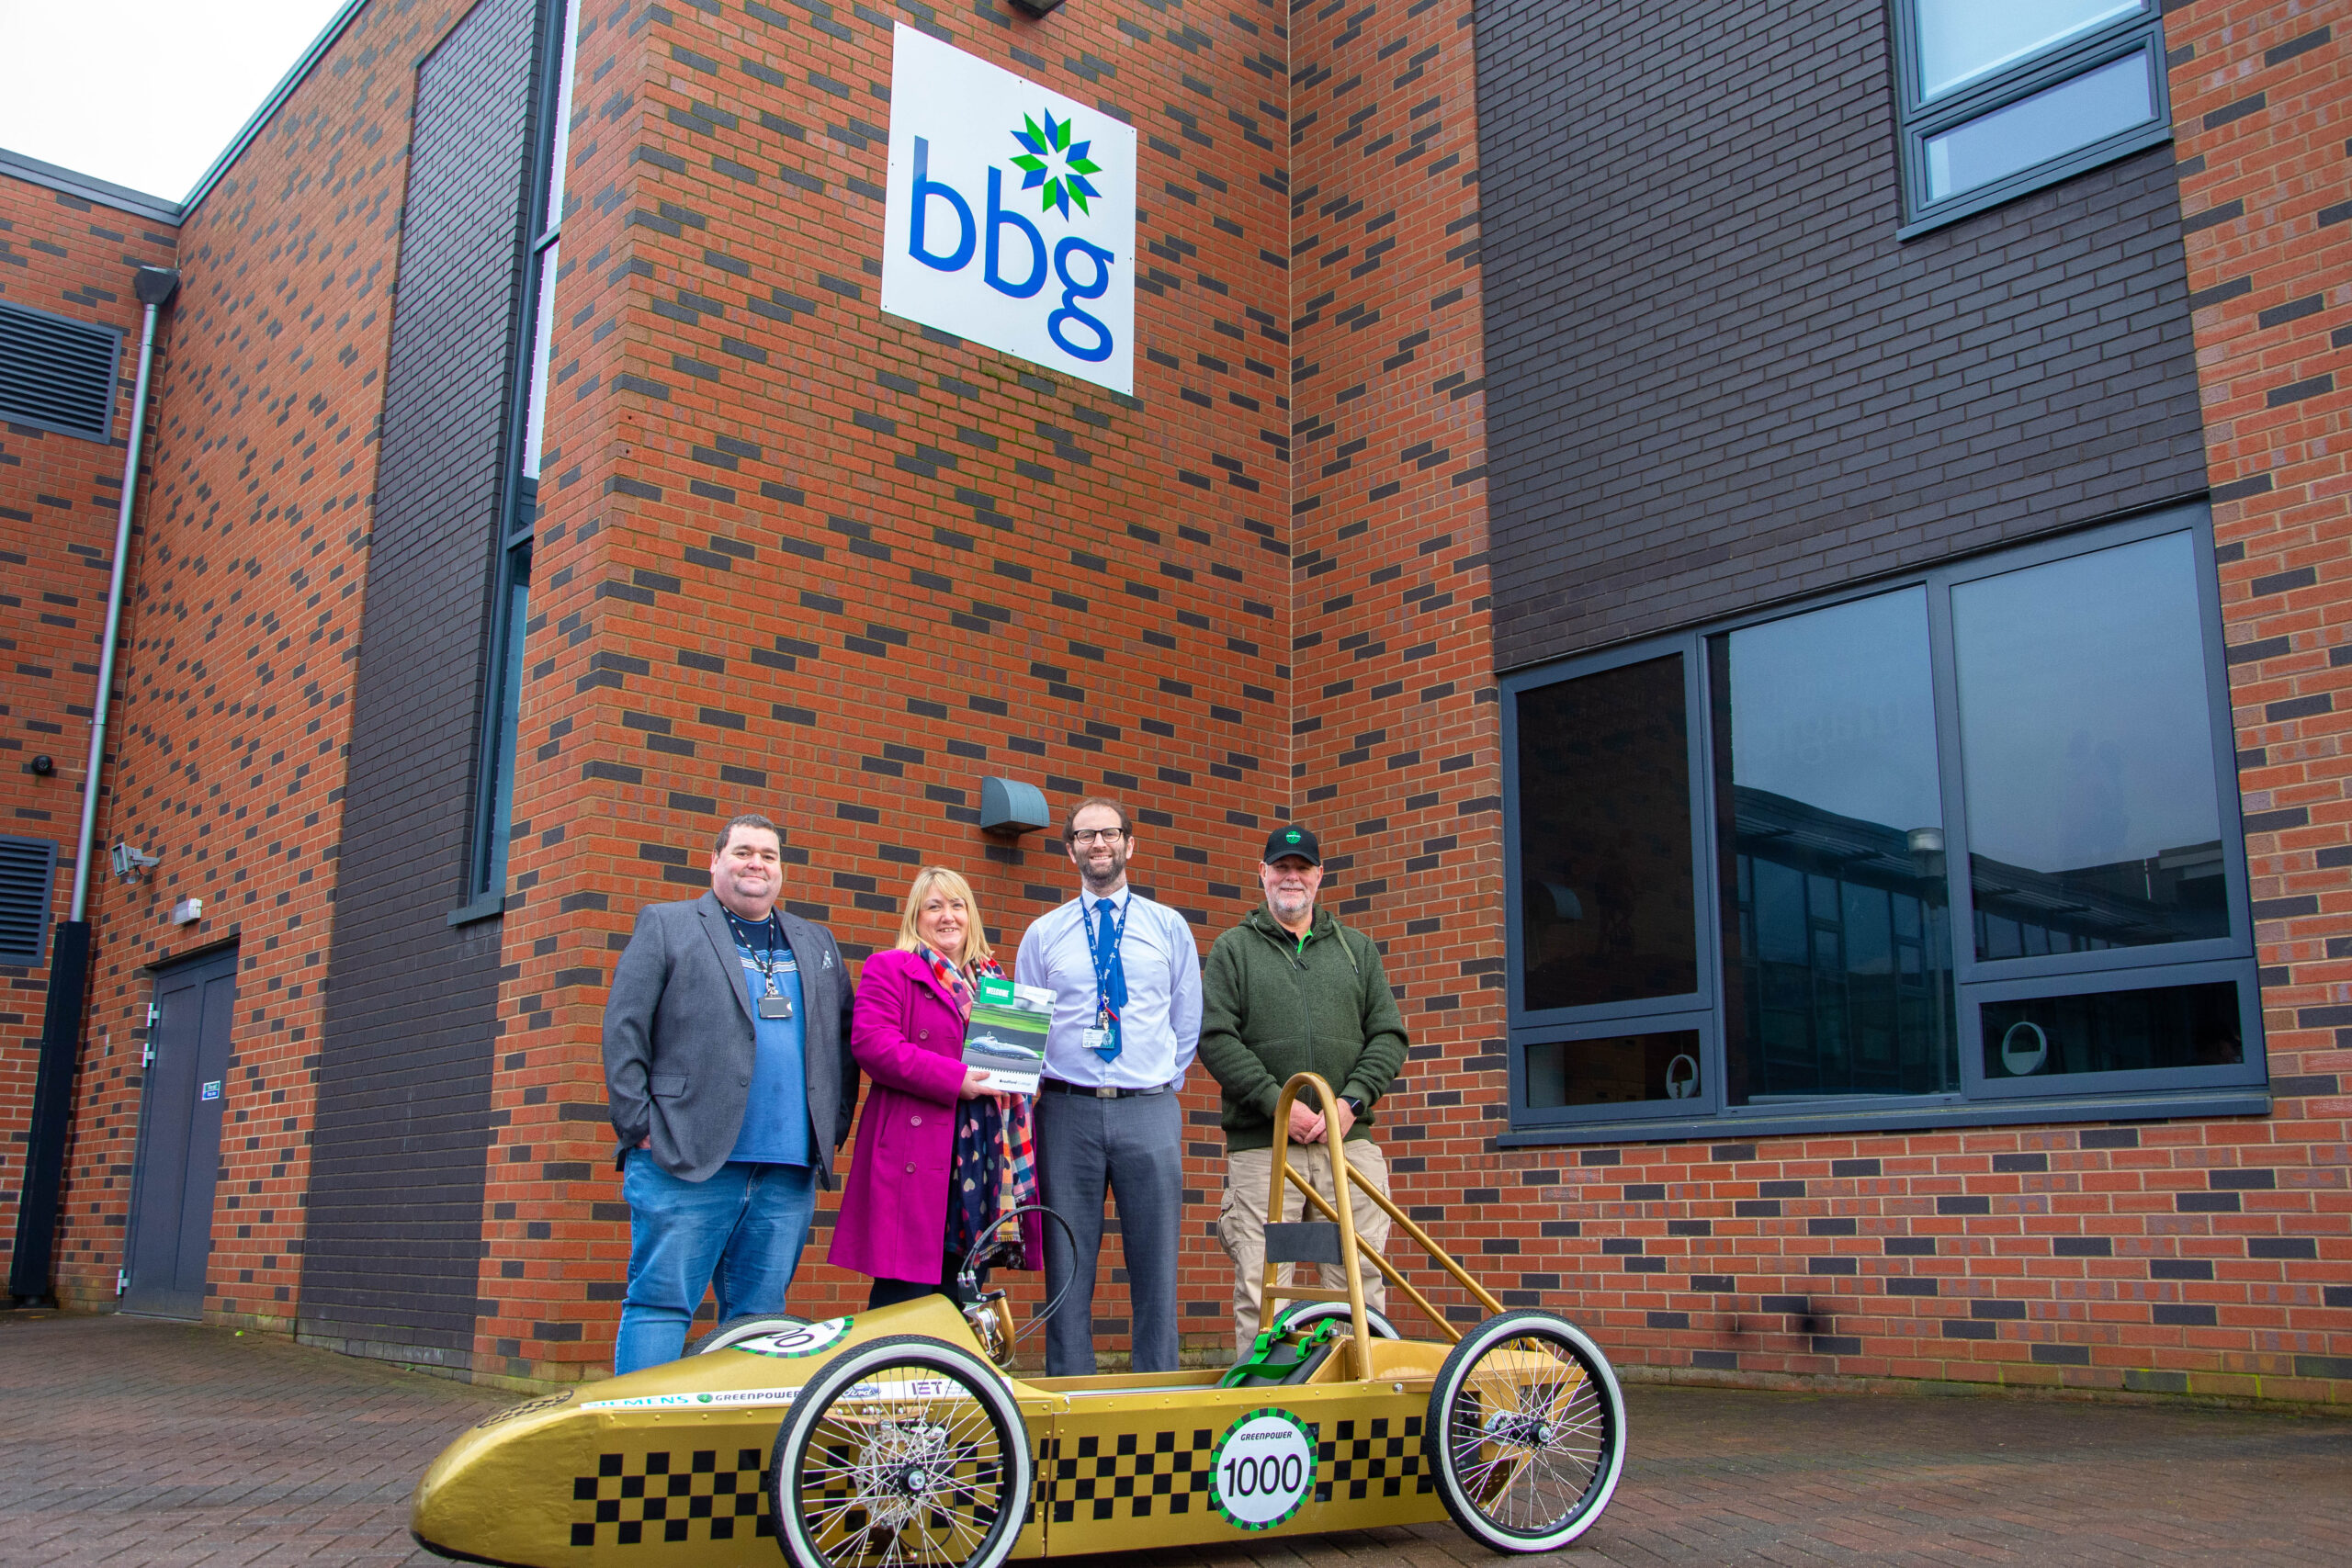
column 746, row 1225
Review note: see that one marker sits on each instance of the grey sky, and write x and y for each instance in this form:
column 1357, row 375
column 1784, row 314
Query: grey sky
column 143, row 93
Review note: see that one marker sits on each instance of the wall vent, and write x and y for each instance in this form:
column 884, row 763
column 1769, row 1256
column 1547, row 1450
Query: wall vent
column 28, row 879
column 57, row 373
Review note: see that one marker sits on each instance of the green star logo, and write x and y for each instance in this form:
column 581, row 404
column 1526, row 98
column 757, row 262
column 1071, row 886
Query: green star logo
column 1048, row 158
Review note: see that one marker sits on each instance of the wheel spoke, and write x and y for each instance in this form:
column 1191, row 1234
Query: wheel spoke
column 891, row 1476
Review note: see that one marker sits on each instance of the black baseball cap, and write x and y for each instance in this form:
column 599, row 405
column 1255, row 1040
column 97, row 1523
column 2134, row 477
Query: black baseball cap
column 1299, row 841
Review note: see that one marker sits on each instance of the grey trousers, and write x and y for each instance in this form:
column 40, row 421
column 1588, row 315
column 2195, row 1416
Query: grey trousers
column 1134, row 1148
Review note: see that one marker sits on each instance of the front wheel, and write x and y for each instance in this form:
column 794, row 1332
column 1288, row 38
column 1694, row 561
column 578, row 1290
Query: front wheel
column 906, row 1452
column 1526, row 1432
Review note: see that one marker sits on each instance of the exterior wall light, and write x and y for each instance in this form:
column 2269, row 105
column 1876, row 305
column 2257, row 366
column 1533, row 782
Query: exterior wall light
column 1008, row 806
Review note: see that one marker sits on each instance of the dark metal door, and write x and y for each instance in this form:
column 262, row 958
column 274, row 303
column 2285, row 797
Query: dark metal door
column 179, row 1138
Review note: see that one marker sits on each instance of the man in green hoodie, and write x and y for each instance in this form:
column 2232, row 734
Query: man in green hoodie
column 1290, row 989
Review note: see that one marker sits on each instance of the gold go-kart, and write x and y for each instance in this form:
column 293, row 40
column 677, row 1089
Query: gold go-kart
column 895, row 1437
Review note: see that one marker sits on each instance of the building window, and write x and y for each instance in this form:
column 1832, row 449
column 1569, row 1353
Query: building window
column 1999, row 98
column 1936, row 851
column 511, row 597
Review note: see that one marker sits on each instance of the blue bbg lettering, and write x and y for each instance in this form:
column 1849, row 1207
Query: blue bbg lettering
column 1074, row 291
column 926, row 187
column 1079, row 334
column 999, row 220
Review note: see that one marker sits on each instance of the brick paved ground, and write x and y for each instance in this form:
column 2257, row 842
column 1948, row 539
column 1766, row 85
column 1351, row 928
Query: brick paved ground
column 132, row 1442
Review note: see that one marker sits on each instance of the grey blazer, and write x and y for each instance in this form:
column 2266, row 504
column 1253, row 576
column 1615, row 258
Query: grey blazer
column 678, row 1040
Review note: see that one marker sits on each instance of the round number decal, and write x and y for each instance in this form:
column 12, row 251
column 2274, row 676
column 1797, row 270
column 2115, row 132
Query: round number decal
column 1263, row 1469
column 806, row 1340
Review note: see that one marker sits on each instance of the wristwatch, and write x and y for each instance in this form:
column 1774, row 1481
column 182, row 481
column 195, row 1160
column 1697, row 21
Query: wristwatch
column 1355, row 1106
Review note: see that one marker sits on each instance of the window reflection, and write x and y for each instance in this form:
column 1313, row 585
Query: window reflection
column 1837, row 941
column 1962, row 42
column 1604, row 791
column 1620, row 1069
column 2114, row 1032
column 2088, row 751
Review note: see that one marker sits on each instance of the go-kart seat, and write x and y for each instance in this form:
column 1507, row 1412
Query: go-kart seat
column 1285, row 1354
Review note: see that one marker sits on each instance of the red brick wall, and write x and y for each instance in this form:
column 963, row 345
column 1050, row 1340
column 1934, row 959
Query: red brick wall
column 804, row 557
column 2194, row 1257
column 800, row 556
column 248, row 569
column 1399, row 750
column 58, row 499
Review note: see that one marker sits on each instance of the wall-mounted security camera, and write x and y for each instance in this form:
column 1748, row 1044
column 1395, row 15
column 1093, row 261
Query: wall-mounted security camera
column 41, row 766
column 129, row 863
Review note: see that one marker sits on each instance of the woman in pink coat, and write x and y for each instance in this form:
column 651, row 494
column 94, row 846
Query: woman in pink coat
column 933, row 1150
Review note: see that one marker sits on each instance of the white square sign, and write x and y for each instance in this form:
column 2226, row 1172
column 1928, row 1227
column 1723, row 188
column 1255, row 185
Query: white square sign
column 1012, row 214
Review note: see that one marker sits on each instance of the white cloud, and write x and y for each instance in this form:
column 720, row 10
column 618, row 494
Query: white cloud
column 143, row 93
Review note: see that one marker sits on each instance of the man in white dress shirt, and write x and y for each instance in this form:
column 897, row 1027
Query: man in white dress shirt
column 1125, row 974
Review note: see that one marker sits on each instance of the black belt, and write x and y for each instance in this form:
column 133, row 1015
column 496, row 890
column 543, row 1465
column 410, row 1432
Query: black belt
column 1102, row 1091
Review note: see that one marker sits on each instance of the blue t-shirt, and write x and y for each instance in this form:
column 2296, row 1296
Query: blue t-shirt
column 775, row 1114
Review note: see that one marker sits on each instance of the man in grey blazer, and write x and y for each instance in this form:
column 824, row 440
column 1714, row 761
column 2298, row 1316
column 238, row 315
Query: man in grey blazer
column 727, row 1063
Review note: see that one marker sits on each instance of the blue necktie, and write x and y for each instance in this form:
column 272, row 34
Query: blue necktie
column 1110, row 974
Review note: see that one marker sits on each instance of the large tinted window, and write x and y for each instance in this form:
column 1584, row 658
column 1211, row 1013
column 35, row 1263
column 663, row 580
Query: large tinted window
column 1971, row 838
column 1606, row 913
column 2093, row 817
column 1829, row 862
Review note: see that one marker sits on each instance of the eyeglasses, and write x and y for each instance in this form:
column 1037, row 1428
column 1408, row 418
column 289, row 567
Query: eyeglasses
column 1097, row 835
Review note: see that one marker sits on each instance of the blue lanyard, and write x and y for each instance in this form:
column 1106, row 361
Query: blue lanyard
column 1102, row 956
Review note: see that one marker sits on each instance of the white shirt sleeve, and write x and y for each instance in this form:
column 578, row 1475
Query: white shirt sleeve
column 1184, row 1002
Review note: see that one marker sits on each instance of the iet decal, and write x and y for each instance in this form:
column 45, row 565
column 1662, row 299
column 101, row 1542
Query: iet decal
column 1012, row 214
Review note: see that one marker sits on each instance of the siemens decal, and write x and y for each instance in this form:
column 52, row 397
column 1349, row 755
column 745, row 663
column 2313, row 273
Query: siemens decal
column 1012, row 217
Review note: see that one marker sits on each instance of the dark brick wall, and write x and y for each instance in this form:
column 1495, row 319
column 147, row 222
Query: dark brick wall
column 395, row 1230
column 1717, row 378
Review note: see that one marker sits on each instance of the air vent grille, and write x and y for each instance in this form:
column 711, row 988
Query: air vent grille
column 28, row 877
column 58, row 374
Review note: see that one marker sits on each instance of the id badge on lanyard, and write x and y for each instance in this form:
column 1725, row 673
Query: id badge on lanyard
column 1103, row 1038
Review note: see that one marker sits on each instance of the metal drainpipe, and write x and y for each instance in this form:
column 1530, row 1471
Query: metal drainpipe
column 69, row 967
column 154, row 286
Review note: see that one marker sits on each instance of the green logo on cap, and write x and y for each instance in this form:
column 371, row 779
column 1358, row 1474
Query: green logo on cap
column 1291, row 837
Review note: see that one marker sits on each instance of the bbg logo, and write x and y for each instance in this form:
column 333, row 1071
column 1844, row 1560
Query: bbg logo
column 1012, row 214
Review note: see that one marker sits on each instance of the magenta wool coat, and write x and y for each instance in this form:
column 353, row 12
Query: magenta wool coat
column 908, row 1034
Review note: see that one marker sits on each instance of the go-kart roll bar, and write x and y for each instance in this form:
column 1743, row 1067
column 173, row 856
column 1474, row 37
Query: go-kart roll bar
column 1344, row 1180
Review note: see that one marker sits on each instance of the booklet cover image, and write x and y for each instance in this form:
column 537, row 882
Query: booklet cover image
column 1006, row 1037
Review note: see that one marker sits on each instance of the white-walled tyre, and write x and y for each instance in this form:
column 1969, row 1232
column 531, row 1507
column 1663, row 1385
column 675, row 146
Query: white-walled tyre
column 906, row 1452
column 1300, row 1314
column 1526, row 1432
column 736, row 1330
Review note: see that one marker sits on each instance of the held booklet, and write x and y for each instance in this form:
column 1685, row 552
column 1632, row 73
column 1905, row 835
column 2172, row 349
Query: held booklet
column 1006, row 1038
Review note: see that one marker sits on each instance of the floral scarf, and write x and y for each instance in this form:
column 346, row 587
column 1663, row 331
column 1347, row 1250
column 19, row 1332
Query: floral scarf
column 996, row 1149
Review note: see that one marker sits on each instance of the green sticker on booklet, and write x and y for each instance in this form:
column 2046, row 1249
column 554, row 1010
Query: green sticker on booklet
column 1006, row 1037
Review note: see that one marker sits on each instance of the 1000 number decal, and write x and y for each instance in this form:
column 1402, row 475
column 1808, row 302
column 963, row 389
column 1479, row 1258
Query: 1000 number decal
column 1263, row 1469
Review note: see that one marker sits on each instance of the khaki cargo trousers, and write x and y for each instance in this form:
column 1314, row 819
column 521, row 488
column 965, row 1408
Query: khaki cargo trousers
column 1241, row 1223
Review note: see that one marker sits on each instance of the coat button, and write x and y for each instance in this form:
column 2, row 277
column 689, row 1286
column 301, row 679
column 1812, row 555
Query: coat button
column 745, row 1082
column 910, row 1170
column 914, row 1120
column 922, row 1033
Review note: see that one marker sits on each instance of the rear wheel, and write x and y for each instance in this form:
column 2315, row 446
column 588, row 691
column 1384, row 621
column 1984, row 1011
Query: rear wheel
column 745, row 1327
column 1303, row 1314
column 1526, row 1432
column 904, row 1452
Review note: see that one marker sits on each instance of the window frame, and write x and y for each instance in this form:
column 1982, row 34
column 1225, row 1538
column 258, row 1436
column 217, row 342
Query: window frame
column 511, row 541
column 1917, row 119
column 2238, row 1088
